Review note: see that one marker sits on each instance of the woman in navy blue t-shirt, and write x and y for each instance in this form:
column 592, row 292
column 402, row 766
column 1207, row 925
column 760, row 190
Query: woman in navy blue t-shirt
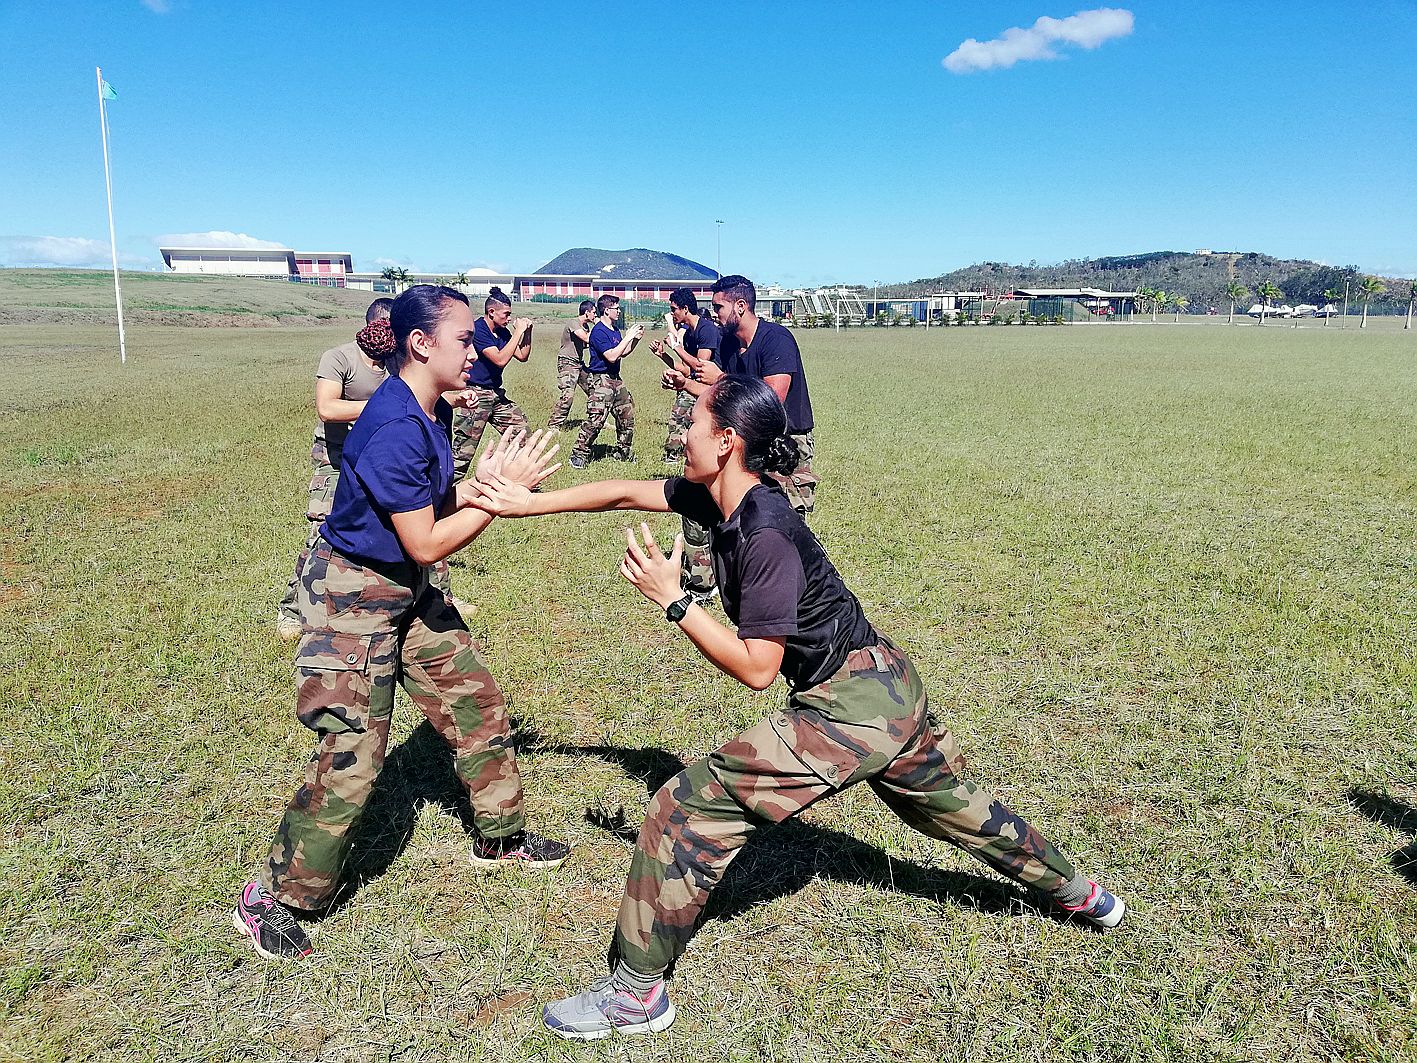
column 856, row 709
column 371, row 617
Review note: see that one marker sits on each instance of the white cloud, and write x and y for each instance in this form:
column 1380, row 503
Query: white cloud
column 216, row 238
column 1086, row 29
column 160, row 7
column 381, row 263
column 72, row 251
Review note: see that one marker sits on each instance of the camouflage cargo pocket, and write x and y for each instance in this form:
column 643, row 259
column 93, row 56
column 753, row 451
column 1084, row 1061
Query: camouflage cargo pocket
column 332, row 681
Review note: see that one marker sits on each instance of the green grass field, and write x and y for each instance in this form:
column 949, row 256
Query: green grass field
column 1160, row 579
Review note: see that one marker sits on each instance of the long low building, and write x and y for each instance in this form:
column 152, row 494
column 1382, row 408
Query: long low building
column 335, row 269
column 328, row 268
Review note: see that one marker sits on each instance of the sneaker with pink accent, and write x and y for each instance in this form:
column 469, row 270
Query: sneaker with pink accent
column 1103, row 908
column 608, row 1007
column 524, row 848
column 273, row 931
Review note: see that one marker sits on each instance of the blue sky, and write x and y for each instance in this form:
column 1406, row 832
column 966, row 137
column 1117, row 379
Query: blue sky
column 831, row 138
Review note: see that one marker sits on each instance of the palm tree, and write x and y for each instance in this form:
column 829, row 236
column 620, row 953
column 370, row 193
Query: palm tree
column 1370, row 287
column 1234, row 291
column 1180, row 302
column 391, row 274
column 1159, row 299
column 1331, row 297
column 1411, row 298
column 1145, row 294
column 460, row 280
column 1268, row 292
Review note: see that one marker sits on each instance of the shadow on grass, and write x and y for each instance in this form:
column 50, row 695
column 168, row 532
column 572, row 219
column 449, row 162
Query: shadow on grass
column 1399, row 816
column 778, row 861
column 783, row 859
column 416, row 772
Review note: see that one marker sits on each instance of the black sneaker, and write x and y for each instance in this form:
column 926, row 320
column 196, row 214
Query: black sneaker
column 273, row 931
column 623, row 455
column 523, row 848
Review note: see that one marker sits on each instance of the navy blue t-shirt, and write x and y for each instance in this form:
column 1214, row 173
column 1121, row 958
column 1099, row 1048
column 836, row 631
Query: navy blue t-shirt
column 484, row 374
column 604, row 338
column 776, row 581
column 704, row 338
column 773, row 353
column 395, row 461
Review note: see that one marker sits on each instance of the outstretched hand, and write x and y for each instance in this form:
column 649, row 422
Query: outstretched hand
column 494, row 495
column 649, row 570
column 515, row 458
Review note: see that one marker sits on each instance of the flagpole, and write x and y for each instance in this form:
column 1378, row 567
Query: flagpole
column 112, row 237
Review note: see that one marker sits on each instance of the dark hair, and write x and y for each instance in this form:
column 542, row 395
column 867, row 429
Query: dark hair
column 737, row 287
column 753, row 410
column 378, row 310
column 496, row 295
column 605, row 302
column 586, row 304
column 684, row 299
column 421, row 307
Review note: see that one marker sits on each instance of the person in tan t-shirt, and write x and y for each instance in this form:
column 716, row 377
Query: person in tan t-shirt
column 344, row 381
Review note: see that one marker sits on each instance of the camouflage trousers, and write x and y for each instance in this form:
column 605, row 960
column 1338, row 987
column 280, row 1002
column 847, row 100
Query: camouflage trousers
column 678, row 425
column 569, row 376
column 488, row 407
column 870, row 722
column 608, row 396
column 800, row 487
column 323, row 479
column 323, row 482
column 365, row 629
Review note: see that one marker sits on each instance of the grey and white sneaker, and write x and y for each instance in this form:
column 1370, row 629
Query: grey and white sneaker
column 608, row 1007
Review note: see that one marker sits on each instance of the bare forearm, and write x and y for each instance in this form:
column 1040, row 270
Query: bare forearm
column 333, row 411
column 601, row 496
column 450, row 534
column 728, row 653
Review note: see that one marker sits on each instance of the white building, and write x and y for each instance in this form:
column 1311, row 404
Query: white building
column 327, row 268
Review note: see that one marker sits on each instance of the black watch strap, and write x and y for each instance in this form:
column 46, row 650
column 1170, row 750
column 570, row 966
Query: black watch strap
column 676, row 610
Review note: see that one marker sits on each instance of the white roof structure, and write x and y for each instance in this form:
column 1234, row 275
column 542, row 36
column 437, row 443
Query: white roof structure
column 1074, row 293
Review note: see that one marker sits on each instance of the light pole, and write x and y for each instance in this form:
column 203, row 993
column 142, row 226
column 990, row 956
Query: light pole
column 875, row 304
column 719, row 268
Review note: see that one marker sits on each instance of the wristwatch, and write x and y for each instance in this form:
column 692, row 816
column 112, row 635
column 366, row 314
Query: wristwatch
column 676, row 610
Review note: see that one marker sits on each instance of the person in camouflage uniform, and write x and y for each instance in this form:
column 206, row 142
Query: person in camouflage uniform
column 484, row 401
column 608, row 393
column 344, row 380
column 694, row 333
column 570, row 365
column 856, row 709
column 371, row 618
column 756, row 347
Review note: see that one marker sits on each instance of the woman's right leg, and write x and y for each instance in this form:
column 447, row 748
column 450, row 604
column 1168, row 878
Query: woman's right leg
column 345, row 667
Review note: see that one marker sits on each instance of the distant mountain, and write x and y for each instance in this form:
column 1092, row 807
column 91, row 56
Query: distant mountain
column 638, row 263
column 1201, row 278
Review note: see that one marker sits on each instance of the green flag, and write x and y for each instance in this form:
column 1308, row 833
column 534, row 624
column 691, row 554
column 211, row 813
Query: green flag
column 108, row 91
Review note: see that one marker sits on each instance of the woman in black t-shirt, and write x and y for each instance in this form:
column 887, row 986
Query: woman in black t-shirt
column 856, row 709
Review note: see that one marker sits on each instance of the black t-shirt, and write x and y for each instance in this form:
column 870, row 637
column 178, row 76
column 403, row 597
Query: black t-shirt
column 704, row 338
column 773, row 353
column 776, row 581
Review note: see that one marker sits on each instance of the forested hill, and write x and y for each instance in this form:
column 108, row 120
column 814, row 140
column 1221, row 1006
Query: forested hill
column 1200, row 278
column 636, row 263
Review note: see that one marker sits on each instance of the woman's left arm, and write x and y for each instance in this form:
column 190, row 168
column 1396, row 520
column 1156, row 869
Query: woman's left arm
column 753, row 662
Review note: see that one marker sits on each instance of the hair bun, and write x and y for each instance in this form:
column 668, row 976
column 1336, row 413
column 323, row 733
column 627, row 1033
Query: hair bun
column 376, row 339
column 782, row 455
